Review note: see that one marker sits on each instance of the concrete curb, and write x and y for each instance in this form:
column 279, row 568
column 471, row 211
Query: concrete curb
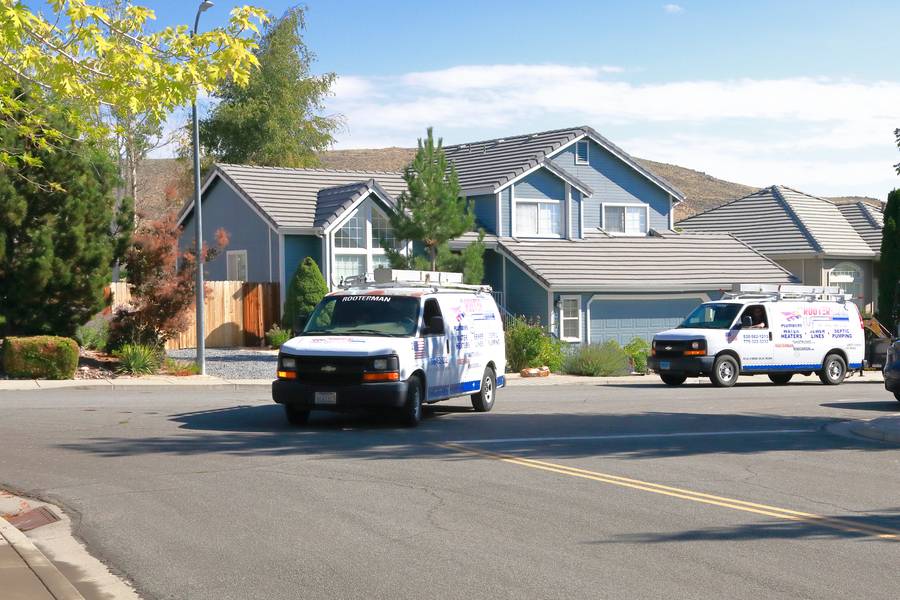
column 883, row 429
column 208, row 382
column 56, row 583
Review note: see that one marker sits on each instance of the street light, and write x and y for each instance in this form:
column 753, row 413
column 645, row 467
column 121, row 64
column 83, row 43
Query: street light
column 201, row 341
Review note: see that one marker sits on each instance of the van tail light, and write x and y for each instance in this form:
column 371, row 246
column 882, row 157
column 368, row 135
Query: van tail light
column 862, row 324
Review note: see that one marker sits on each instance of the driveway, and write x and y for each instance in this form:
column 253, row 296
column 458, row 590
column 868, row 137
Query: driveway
column 561, row 492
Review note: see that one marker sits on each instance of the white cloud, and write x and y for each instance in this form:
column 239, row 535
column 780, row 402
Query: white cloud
column 829, row 132
column 673, row 8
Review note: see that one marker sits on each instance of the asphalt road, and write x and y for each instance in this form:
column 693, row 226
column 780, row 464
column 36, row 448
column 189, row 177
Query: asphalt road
column 561, row 492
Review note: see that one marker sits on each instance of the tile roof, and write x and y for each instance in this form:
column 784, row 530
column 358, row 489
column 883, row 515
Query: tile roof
column 291, row 197
column 491, row 164
column 333, row 201
column 867, row 220
column 779, row 220
column 668, row 261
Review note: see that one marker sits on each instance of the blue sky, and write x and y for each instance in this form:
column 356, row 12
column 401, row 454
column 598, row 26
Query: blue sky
column 804, row 94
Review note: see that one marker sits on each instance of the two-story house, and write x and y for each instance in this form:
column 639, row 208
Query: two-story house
column 580, row 237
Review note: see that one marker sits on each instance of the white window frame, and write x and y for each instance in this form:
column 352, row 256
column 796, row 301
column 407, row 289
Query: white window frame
column 539, row 201
column 371, row 248
column 587, row 159
column 228, row 274
column 846, row 266
column 563, row 319
column 626, row 206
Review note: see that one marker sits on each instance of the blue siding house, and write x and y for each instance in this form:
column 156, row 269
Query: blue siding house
column 579, row 235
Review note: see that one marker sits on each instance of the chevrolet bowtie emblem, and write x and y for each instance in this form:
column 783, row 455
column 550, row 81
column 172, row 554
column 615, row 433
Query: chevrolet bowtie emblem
column 329, row 368
column 668, row 347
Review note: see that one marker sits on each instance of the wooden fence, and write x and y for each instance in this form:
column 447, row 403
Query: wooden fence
column 237, row 313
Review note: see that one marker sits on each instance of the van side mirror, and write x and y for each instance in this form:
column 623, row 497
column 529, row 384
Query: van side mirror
column 436, row 325
column 300, row 320
column 746, row 321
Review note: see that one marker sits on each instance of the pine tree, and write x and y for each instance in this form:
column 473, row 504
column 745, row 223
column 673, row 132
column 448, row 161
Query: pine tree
column 889, row 265
column 59, row 232
column 306, row 289
column 276, row 119
column 431, row 211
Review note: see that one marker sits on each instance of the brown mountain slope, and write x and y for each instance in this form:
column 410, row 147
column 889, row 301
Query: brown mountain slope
column 159, row 178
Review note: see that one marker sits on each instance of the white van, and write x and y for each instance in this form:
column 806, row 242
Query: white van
column 770, row 329
column 405, row 339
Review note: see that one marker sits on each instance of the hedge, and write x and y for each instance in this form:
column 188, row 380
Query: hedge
column 40, row 357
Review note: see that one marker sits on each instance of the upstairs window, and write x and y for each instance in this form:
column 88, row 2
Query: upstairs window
column 236, row 265
column 581, row 153
column 538, row 219
column 623, row 219
column 352, row 234
column 382, row 230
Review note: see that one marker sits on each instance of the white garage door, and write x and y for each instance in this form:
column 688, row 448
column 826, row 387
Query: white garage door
column 625, row 318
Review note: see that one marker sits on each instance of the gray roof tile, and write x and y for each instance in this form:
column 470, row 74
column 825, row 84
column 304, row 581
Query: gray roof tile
column 490, row 164
column 290, row 197
column 667, row 261
column 867, row 220
column 779, row 220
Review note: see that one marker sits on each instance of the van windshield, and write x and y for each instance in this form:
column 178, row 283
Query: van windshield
column 375, row 315
column 712, row 315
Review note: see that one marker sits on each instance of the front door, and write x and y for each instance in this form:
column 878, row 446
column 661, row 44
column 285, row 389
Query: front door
column 437, row 366
column 756, row 347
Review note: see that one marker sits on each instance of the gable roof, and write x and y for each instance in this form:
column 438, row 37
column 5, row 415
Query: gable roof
column 779, row 220
column 867, row 220
column 685, row 262
column 332, row 202
column 490, row 165
column 291, row 197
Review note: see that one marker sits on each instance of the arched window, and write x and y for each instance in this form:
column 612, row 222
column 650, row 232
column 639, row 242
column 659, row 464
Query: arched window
column 357, row 244
column 849, row 277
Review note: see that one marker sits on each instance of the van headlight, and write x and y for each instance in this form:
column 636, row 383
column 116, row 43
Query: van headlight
column 385, row 363
column 288, row 363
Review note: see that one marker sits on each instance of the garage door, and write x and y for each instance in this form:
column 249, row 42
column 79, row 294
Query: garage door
column 624, row 319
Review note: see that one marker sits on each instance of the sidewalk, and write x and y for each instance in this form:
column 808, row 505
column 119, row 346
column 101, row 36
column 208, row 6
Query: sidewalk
column 26, row 574
column 512, row 380
column 46, row 561
column 883, row 429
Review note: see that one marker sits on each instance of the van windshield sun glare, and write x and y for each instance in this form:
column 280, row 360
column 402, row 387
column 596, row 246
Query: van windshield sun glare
column 711, row 316
column 375, row 315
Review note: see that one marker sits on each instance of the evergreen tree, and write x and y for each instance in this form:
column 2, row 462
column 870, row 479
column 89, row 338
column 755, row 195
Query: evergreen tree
column 306, row 289
column 431, row 210
column 275, row 120
column 889, row 266
column 59, row 232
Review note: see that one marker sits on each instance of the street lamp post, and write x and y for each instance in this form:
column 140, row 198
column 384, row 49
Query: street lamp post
column 201, row 341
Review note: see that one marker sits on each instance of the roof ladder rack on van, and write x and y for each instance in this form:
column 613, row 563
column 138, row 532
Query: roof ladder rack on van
column 383, row 278
column 811, row 293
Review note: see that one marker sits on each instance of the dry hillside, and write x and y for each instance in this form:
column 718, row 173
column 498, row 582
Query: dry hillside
column 164, row 182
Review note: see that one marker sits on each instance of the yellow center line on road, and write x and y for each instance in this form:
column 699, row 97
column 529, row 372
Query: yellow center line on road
column 684, row 494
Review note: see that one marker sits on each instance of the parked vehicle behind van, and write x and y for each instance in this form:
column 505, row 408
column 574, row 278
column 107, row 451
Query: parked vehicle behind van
column 892, row 368
column 403, row 340
column 773, row 330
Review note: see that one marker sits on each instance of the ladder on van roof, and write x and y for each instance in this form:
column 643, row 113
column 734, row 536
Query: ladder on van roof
column 810, row 293
column 383, row 278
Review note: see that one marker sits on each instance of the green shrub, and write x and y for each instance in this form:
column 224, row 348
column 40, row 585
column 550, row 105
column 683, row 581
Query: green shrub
column 599, row 360
column 306, row 289
column 527, row 345
column 138, row 359
column 94, row 334
column 638, row 350
column 40, row 357
column 276, row 336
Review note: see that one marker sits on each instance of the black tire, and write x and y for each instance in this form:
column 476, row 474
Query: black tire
column 834, row 370
column 412, row 410
column 483, row 400
column 897, row 396
column 296, row 416
column 780, row 378
column 669, row 379
column 725, row 371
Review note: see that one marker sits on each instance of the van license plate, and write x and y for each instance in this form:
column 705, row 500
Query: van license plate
column 664, row 364
column 326, row 397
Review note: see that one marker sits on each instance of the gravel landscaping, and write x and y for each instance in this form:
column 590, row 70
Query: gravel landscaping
column 234, row 363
